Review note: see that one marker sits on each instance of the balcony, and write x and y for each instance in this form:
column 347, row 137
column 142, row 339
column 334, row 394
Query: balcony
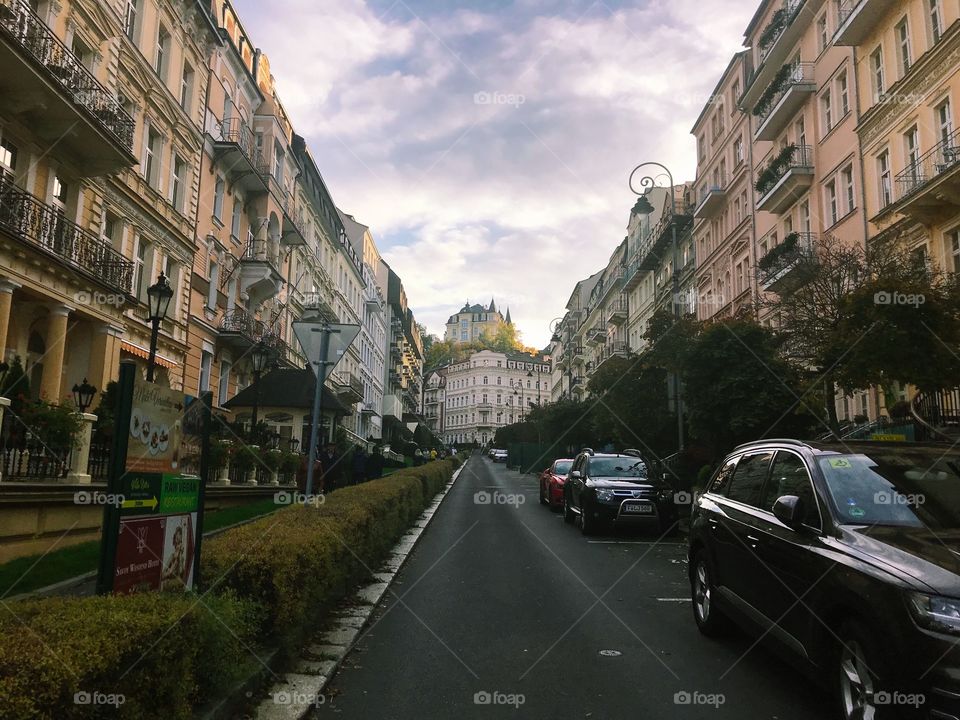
column 348, row 386
column 235, row 149
column 712, row 197
column 317, row 303
column 614, row 349
column 776, row 42
column 597, row 334
column 782, row 99
column 782, row 268
column 785, row 178
column 43, row 228
column 260, row 279
column 292, row 233
column 618, row 311
column 928, row 190
column 856, row 19
column 653, row 250
column 632, row 274
column 578, row 354
column 50, row 91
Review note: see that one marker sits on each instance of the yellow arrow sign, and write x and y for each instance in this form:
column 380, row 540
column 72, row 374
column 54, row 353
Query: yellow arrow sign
column 151, row 503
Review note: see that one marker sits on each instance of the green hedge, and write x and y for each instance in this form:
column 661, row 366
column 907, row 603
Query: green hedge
column 268, row 582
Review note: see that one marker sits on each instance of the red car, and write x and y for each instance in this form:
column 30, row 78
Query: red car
column 551, row 483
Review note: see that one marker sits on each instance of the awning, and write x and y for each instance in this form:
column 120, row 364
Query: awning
column 142, row 352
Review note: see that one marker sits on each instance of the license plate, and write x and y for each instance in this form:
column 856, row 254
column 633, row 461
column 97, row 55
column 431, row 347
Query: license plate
column 637, row 508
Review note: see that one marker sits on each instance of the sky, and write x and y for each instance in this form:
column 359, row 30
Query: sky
column 488, row 144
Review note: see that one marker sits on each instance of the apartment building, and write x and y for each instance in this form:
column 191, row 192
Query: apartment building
column 403, row 375
column 489, row 390
column 723, row 225
column 434, row 400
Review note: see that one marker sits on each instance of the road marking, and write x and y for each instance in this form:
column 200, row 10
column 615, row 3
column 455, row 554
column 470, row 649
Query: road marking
column 632, row 542
column 685, row 599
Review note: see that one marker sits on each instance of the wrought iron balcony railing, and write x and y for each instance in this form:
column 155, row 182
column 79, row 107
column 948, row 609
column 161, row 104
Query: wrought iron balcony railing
column 944, row 156
column 19, row 22
column 235, row 130
column 46, row 228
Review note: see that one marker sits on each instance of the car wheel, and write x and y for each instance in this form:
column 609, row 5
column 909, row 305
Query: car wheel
column 567, row 510
column 858, row 669
column 588, row 525
column 710, row 621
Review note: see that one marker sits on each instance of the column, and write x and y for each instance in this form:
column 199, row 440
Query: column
column 6, row 300
column 53, row 359
column 80, row 457
column 104, row 357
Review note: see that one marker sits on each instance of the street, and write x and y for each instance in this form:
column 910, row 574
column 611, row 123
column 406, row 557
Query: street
column 503, row 608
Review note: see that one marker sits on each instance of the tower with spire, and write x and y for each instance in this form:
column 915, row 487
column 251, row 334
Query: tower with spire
column 472, row 321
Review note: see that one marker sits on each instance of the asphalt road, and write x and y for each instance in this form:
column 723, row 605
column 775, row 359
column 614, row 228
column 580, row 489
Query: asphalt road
column 504, row 602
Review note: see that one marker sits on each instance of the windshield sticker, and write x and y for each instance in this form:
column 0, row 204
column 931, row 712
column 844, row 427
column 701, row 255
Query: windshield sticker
column 857, row 512
column 839, row 463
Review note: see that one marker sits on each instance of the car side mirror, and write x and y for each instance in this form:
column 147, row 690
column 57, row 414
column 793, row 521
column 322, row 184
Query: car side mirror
column 786, row 509
column 576, row 475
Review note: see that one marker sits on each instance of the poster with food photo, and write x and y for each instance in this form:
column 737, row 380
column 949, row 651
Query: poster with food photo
column 155, row 429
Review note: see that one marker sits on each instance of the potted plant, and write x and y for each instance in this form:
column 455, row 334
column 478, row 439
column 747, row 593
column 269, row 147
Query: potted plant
column 272, row 459
column 220, row 461
column 245, row 459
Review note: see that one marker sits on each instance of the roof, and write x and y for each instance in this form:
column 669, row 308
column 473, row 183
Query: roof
column 285, row 388
column 354, row 230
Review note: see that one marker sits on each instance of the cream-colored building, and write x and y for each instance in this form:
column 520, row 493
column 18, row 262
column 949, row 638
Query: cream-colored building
column 472, row 322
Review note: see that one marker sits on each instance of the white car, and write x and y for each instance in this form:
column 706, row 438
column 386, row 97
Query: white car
column 499, row 456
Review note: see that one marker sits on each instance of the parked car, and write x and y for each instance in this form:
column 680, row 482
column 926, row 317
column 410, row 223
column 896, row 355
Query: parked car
column 846, row 557
column 614, row 489
column 499, row 456
column 551, row 483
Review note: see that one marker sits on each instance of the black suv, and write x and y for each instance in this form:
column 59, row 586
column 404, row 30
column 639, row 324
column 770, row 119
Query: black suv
column 848, row 557
column 604, row 489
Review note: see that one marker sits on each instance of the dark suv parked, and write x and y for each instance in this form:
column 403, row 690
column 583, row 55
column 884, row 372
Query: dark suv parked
column 848, row 557
column 604, row 489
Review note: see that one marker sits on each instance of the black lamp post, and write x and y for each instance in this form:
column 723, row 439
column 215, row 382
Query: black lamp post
column 83, row 395
column 643, row 207
column 294, row 444
column 275, row 441
column 259, row 357
column 159, row 296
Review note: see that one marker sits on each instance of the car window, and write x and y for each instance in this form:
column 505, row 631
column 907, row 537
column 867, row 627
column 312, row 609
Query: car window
column 720, row 482
column 911, row 487
column 620, row 467
column 747, row 481
column 562, row 467
column 789, row 476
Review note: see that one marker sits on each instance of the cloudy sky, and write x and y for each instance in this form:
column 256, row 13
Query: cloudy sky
column 488, row 144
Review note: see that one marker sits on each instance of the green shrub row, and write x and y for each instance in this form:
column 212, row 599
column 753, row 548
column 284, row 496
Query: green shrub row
column 267, row 583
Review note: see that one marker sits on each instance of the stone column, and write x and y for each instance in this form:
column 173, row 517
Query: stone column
column 80, row 457
column 104, row 357
column 53, row 359
column 6, row 300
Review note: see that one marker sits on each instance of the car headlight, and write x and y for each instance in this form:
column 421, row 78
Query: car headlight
column 940, row 614
column 604, row 495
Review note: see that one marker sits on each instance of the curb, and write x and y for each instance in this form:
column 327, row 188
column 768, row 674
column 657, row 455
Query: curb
column 318, row 664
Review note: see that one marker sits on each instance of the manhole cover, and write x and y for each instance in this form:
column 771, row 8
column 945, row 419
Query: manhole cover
column 610, row 653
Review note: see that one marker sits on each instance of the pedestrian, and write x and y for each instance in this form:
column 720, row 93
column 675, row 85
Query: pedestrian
column 433, row 453
column 359, row 466
column 375, row 464
column 453, row 451
column 331, row 463
column 417, row 457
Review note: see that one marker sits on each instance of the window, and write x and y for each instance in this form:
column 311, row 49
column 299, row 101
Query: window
column 206, row 361
column 831, row 190
column 823, row 36
column 911, row 142
column 162, row 53
column 8, row 155
column 130, row 19
column 955, row 250
column 701, row 148
column 738, row 151
column 152, row 154
column 735, row 94
column 223, row 389
column 788, row 476
column 846, row 180
column 903, row 46
column 186, row 87
column 178, row 183
column 883, row 173
column 60, row 189
column 214, row 276
column 218, row 198
column 936, row 20
column 747, row 482
column 876, row 74
column 111, row 231
column 826, row 111
column 944, row 124
column 805, row 216
column 278, row 163
column 141, row 271
column 843, row 90
column 235, row 216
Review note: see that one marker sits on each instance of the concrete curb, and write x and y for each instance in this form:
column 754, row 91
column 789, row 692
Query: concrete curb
column 305, row 683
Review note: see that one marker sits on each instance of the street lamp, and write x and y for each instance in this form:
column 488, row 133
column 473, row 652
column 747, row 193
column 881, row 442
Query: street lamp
column 259, row 357
column 83, row 396
column 294, row 444
column 643, row 207
column 159, row 296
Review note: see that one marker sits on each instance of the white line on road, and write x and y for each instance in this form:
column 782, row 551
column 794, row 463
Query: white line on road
column 673, row 599
column 631, row 542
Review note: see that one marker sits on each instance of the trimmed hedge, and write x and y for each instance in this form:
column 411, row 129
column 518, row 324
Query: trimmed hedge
column 267, row 582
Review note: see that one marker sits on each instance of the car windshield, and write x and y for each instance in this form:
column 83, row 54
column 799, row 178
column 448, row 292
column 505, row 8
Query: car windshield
column 896, row 486
column 625, row 467
column 562, row 467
